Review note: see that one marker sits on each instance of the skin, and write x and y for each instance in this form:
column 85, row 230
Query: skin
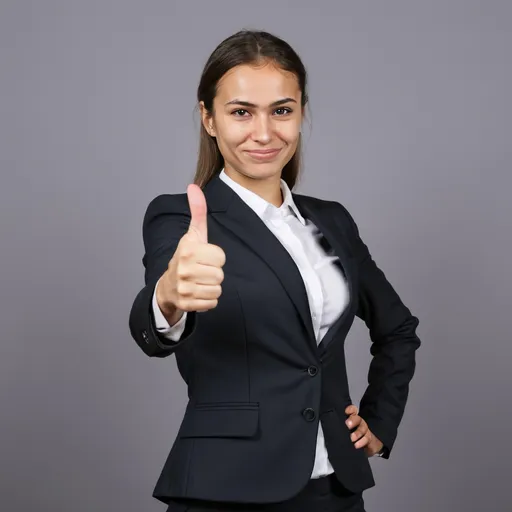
column 272, row 121
column 239, row 128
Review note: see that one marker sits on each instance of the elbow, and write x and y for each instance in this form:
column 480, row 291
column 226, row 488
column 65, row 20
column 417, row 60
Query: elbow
column 403, row 334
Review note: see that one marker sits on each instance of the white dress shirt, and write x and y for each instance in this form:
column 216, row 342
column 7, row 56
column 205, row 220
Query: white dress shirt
column 324, row 281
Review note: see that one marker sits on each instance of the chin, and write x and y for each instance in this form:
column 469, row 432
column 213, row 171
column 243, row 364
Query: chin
column 263, row 170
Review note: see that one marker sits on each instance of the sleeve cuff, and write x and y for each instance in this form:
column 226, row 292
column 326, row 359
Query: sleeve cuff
column 382, row 433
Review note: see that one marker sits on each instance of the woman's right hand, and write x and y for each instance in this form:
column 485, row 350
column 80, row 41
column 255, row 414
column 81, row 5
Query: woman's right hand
column 192, row 281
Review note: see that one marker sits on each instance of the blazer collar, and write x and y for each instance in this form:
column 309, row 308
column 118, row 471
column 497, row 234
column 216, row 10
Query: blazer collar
column 262, row 207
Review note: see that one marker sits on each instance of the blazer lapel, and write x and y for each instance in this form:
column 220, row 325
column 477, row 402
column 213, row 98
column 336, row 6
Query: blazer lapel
column 232, row 212
column 325, row 223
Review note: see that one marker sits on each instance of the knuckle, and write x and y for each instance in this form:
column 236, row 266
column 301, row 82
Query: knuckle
column 222, row 256
column 186, row 252
column 182, row 272
column 182, row 289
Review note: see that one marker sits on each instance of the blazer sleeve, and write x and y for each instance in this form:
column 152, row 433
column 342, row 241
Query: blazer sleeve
column 392, row 330
column 166, row 220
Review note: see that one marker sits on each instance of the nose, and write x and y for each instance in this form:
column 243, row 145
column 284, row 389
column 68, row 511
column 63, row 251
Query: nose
column 262, row 129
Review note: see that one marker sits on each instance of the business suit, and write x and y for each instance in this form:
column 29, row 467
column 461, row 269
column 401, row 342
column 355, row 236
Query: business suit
column 258, row 385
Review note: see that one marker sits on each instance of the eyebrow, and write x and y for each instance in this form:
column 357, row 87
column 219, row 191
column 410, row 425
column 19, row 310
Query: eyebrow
column 249, row 104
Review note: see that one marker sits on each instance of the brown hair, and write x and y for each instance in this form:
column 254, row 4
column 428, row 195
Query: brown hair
column 244, row 47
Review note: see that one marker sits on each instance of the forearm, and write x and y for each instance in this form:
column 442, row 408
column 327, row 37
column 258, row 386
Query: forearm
column 166, row 220
column 391, row 370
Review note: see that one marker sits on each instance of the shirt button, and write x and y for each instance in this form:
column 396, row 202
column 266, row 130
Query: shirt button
column 312, row 370
column 309, row 414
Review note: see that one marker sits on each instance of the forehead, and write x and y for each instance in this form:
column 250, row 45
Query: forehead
column 257, row 83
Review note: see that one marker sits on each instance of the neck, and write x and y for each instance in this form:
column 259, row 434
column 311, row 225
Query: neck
column 268, row 189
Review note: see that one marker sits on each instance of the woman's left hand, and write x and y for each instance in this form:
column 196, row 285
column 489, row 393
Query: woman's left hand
column 362, row 437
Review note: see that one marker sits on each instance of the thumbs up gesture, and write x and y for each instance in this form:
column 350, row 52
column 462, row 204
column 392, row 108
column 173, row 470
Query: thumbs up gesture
column 192, row 281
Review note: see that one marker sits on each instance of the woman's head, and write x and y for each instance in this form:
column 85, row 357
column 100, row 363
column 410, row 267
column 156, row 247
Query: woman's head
column 252, row 96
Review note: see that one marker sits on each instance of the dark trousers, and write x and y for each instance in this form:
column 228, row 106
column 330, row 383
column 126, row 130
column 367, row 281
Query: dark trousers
column 324, row 494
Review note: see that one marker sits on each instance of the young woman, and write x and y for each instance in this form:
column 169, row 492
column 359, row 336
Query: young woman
column 254, row 289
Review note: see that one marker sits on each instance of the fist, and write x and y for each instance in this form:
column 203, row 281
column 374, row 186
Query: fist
column 192, row 281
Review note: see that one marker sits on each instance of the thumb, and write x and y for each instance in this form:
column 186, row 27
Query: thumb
column 198, row 209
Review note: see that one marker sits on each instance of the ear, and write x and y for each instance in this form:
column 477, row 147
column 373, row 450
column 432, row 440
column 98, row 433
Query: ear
column 207, row 120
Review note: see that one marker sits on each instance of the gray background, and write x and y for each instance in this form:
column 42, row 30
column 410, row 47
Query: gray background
column 411, row 126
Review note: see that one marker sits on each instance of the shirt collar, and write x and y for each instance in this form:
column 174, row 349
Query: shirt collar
column 261, row 207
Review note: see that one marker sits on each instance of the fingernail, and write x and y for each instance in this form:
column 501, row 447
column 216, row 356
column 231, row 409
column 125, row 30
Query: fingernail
column 349, row 423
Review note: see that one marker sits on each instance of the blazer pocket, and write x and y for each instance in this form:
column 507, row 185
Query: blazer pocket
column 221, row 419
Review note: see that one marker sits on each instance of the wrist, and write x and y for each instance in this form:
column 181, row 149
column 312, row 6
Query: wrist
column 171, row 313
column 381, row 452
column 175, row 317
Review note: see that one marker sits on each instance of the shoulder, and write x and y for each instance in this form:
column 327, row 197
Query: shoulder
column 335, row 208
column 167, row 204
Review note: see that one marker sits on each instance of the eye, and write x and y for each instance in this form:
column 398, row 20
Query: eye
column 284, row 111
column 239, row 112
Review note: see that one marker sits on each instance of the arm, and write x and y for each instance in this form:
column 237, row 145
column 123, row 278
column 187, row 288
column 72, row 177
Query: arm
column 392, row 330
column 166, row 220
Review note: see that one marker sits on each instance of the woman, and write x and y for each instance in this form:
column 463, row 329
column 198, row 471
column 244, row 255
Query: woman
column 278, row 278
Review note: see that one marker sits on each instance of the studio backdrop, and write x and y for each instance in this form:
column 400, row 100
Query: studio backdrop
column 409, row 127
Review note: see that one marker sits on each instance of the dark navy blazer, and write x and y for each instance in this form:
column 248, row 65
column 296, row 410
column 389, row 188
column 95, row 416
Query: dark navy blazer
column 258, row 383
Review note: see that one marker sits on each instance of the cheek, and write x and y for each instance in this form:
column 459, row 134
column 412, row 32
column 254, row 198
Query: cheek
column 289, row 132
column 233, row 134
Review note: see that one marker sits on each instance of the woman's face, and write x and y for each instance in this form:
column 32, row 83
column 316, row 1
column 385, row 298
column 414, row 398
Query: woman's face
column 256, row 120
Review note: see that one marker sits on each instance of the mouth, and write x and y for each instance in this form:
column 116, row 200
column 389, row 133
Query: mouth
column 263, row 154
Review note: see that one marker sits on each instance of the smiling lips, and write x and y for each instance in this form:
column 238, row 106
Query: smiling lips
column 263, row 154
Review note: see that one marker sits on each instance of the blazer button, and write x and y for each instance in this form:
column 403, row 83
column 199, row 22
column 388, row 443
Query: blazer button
column 145, row 336
column 312, row 370
column 309, row 414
